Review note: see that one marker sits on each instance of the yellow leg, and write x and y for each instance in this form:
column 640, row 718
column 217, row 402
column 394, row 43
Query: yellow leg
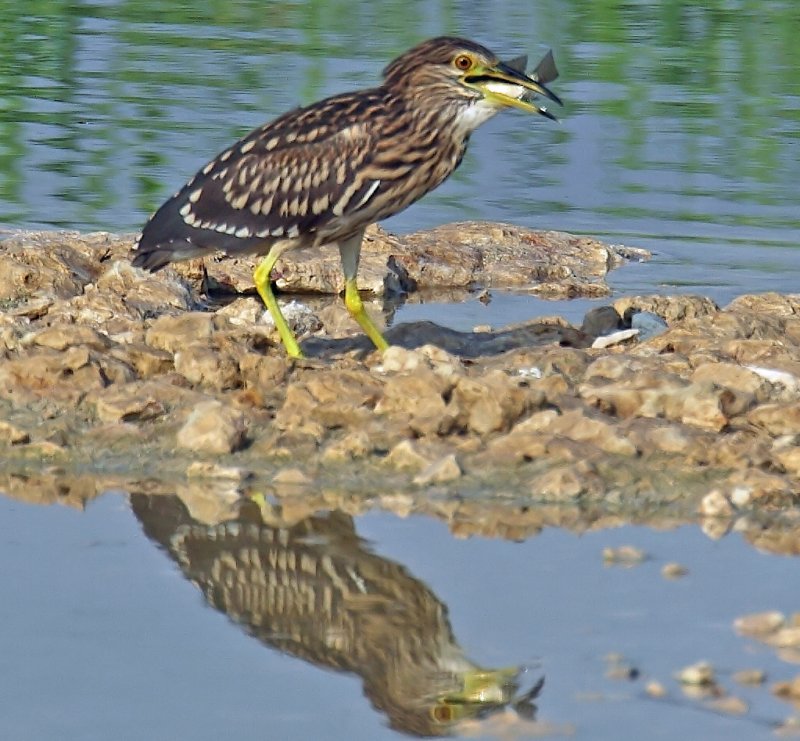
column 350, row 250
column 352, row 300
column 262, row 281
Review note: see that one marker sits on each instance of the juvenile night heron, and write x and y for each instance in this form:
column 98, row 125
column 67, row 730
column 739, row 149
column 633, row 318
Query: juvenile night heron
column 321, row 174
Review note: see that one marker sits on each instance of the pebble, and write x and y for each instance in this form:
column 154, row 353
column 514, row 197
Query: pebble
column 655, row 689
column 699, row 674
column 439, row 472
column 750, row 676
column 12, row 434
column 674, row 571
column 789, row 690
column 759, row 623
column 213, row 428
column 624, row 555
column 730, row 705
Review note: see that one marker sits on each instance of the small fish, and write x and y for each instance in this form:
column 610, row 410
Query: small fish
column 546, row 71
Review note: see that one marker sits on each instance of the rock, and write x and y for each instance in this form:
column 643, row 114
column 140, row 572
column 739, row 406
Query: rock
column 62, row 376
column 171, row 333
column 439, row 472
column 291, row 477
column 213, row 428
column 655, row 689
column 12, row 435
column 417, row 401
column 788, row 690
column 753, row 677
column 204, row 470
column 100, row 359
column 674, row 571
column 788, row 637
column 584, row 427
column 406, row 455
column 60, row 337
column 729, row 705
column 716, row 504
column 207, row 367
column 127, row 404
column 490, row 405
column 602, row 320
column 777, row 419
column 624, row 555
column 352, row 446
column 672, row 309
column 699, row 674
column 759, row 623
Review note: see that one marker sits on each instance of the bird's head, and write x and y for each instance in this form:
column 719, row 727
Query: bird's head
column 461, row 72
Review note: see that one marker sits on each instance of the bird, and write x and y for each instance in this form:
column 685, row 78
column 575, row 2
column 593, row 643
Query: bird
column 320, row 174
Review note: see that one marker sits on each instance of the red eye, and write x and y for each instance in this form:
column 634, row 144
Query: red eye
column 462, row 62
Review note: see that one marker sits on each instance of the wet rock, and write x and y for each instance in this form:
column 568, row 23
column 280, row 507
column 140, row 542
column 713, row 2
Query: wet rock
column 648, row 324
column 671, row 309
column 624, row 555
column 582, row 426
column 752, row 677
column 205, row 470
column 729, row 705
column 406, row 454
column 100, row 359
column 12, row 435
column 788, row 690
column 127, row 404
column 790, row 728
column 213, row 428
column 716, row 504
column 291, row 477
column 788, row 637
column 439, row 472
column 759, row 623
column 653, row 688
column 619, row 669
column 352, row 446
column 700, row 674
column 602, row 320
column 562, row 483
column 674, row 571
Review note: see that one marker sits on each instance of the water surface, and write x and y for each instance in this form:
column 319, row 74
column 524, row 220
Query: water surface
column 680, row 134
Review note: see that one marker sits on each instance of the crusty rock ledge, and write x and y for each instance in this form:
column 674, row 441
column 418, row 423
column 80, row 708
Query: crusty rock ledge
column 112, row 373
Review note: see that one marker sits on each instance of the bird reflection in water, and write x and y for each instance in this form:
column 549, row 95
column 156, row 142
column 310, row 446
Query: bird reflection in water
column 314, row 590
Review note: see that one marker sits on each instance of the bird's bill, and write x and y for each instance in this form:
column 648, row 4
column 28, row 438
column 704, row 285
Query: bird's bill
column 483, row 690
column 507, row 84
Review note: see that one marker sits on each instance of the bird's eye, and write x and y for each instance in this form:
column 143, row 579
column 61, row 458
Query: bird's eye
column 462, row 62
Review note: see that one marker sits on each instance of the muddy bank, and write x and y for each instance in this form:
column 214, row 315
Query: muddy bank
column 124, row 377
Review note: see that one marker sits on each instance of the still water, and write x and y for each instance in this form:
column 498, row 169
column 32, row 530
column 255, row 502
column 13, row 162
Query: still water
column 681, row 134
column 129, row 620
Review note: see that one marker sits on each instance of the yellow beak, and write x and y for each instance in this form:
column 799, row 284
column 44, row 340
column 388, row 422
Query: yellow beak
column 507, row 84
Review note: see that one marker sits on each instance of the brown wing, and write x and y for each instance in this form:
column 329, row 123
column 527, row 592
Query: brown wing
column 287, row 179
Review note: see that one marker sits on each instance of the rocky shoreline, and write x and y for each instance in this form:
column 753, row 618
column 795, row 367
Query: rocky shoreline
column 118, row 377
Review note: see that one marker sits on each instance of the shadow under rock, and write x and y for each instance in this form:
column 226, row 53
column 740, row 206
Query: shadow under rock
column 412, row 335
